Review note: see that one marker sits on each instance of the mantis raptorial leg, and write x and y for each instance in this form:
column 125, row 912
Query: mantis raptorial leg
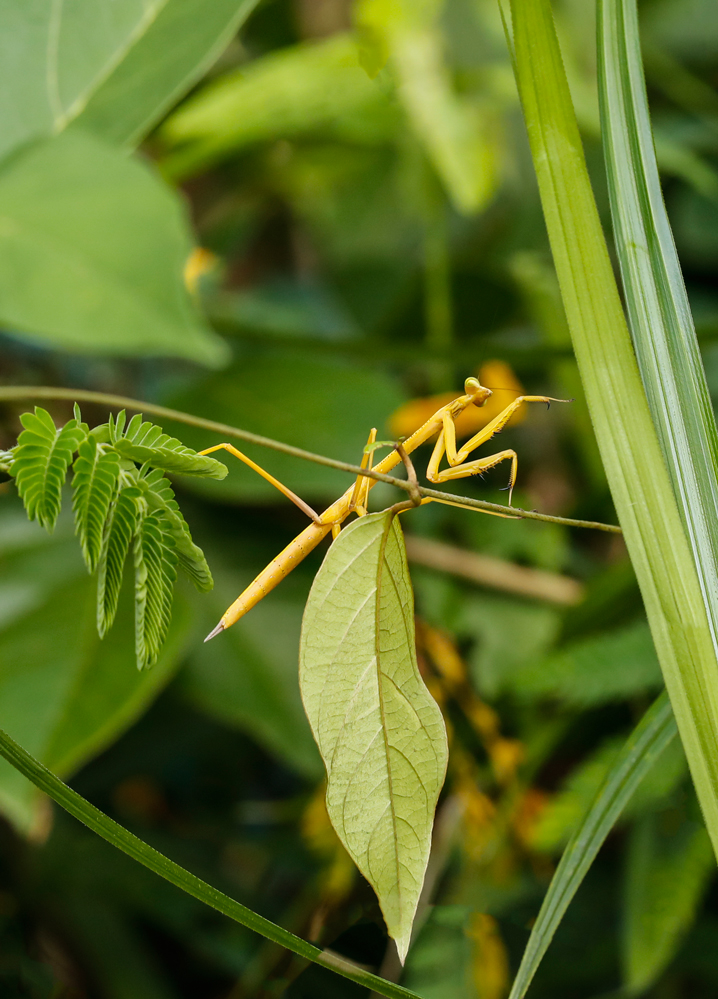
column 356, row 496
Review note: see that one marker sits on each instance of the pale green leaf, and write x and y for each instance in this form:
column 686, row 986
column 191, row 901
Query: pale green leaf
column 155, row 576
column 96, row 472
column 380, row 733
column 670, row 861
column 644, row 746
column 52, row 55
column 119, row 531
column 92, row 250
column 41, row 461
column 173, row 53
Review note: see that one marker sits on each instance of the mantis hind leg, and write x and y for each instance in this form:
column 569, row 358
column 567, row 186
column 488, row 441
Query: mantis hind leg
column 285, row 490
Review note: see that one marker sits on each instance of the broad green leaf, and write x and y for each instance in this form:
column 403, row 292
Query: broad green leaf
column 96, row 471
column 316, row 85
column 155, row 576
column 324, row 405
column 53, row 54
column 380, row 733
column 41, row 460
column 670, row 861
column 92, row 250
column 119, row 531
column 644, row 746
column 606, row 667
column 460, row 137
column 635, row 468
column 249, row 679
column 64, row 694
column 180, row 44
column 659, row 314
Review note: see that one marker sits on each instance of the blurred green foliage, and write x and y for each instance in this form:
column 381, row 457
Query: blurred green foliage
column 359, row 178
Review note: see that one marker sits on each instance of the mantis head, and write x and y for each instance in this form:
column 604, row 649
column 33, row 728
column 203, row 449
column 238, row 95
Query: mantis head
column 479, row 394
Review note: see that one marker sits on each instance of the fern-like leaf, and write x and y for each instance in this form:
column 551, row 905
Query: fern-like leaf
column 96, row 471
column 119, row 531
column 6, row 461
column 159, row 496
column 155, row 576
column 146, row 442
column 41, row 461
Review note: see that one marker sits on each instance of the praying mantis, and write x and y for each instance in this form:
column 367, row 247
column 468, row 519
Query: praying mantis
column 354, row 500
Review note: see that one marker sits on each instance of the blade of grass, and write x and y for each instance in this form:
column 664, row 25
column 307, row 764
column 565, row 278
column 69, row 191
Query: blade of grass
column 639, row 481
column 658, row 311
column 146, row 855
column 643, row 747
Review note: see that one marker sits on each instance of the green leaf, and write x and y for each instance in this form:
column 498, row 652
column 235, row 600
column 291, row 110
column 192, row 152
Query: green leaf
column 380, row 733
column 249, row 679
column 460, row 137
column 644, row 746
column 92, row 250
column 155, row 576
column 607, row 667
column 64, row 693
column 119, row 531
column 41, row 461
column 298, row 89
column 566, row 809
column 96, row 471
column 635, row 467
column 158, row 493
column 670, row 861
column 175, row 51
column 53, row 54
column 147, row 443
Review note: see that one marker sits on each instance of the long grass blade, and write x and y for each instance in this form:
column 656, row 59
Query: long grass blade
column 146, row 855
column 631, row 453
column 657, row 304
column 643, row 747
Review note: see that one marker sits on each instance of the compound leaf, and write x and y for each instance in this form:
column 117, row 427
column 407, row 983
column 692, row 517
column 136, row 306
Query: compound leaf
column 146, row 442
column 120, row 529
column 159, row 495
column 41, row 461
column 380, row 733
column 155, row 576
column 94, row 483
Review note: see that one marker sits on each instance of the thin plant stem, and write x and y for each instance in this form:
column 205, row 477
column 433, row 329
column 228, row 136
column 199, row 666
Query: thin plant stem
column 17, row 392
column 143, row 853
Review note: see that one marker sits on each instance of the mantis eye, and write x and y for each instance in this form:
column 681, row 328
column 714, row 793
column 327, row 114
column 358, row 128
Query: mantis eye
column 471, row 385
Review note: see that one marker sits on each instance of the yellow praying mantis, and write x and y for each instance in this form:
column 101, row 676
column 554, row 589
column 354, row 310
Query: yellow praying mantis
column 354, row 500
